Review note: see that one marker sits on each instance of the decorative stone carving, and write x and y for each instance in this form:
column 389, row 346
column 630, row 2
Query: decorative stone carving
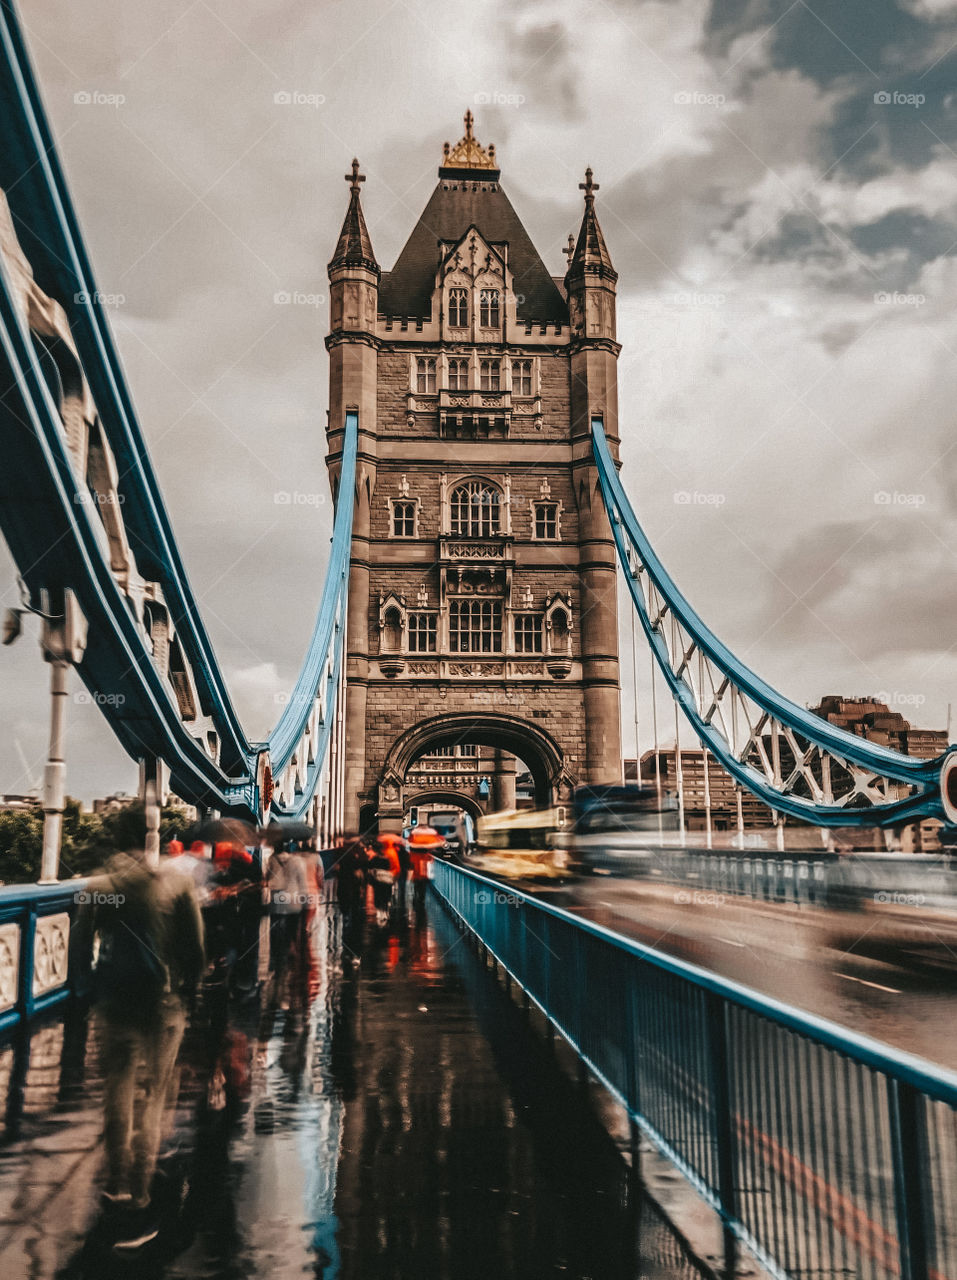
column 51, row 952
column 9, row 964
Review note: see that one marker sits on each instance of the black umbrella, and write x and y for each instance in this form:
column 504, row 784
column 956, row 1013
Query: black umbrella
column 277, row 832
column 220, row 830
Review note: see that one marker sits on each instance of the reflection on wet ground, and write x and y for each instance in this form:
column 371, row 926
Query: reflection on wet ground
column 406, row 1121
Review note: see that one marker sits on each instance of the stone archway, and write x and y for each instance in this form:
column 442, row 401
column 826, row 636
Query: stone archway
column 453, row 799
column 532, row 744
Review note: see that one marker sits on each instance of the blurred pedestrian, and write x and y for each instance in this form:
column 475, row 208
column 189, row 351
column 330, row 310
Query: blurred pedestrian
column 383, row 871
column 148, row 967
column 287, row 897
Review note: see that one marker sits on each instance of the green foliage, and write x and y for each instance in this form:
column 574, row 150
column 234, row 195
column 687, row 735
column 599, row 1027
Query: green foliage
column 88, row 840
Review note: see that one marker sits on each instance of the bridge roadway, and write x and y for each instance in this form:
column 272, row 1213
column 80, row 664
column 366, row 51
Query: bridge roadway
column 897, row 985
column 410, row 1122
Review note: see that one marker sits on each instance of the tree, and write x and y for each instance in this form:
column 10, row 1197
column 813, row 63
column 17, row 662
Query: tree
column 88, row 840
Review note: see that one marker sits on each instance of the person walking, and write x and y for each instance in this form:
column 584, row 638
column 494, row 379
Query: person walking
column 383, row 870
column 144, row 986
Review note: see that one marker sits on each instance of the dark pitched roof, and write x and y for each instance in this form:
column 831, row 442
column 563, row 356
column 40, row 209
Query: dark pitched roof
column 456, row 204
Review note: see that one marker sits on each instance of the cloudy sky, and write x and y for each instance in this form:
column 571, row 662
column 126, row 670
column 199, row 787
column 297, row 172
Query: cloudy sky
column 779, row 194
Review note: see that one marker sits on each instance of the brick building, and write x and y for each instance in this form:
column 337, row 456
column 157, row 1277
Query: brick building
column 482, row 599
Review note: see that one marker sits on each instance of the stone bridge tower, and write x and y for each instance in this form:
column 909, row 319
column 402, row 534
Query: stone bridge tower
column 482, row 589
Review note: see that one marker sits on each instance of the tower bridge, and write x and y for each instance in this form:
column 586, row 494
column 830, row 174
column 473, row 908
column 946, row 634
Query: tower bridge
column 482, row 596
column 467, row 625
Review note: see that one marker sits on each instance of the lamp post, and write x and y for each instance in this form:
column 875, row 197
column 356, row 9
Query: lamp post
column 63, row 641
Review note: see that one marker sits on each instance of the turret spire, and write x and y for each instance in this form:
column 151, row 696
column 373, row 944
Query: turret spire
column 591, row 253
column 355, row 245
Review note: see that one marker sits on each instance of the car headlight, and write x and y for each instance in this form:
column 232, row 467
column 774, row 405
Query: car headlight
column 447, row 844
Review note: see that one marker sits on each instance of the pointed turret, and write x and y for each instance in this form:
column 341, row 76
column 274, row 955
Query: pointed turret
column 355, row 245
column 590, row 279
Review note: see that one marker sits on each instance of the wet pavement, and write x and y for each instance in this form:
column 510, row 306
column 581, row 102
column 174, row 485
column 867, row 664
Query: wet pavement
column 404, row 1119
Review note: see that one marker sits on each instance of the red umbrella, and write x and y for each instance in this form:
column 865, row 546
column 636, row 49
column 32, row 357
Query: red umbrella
column 426, row 836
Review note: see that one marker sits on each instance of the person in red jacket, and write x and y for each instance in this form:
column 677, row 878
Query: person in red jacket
column 383, row 870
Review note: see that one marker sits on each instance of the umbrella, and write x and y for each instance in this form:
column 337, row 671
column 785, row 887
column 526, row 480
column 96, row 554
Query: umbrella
column 219, row 830
column 425, row 836
column 279, row 831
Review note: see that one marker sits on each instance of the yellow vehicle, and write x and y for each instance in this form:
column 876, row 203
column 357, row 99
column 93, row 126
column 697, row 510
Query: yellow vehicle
column 517, row 843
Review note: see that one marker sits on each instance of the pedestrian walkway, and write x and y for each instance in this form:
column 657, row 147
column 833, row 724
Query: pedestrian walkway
column 407, row 1123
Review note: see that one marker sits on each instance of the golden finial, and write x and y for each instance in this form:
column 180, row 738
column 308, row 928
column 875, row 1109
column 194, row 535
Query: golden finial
column 468, row 152
column 355, row 177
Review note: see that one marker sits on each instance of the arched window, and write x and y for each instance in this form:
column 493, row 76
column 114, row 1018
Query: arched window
column 458, row 308
column 458, row 375
column 425, row 377
column 489, row 309
column 475, row 510
column 403, row 520
column 475, row 626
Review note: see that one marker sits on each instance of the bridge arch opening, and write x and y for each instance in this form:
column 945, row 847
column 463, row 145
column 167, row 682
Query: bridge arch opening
column 528, row 750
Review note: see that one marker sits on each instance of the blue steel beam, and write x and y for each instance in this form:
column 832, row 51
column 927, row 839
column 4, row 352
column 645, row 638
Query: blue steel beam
column 32, row 177
column 319, row 677
column 923, row 776
column 46, row 498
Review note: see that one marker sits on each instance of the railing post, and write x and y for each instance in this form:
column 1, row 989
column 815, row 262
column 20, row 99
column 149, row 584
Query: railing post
column 719, row 1058
column 908, row 1137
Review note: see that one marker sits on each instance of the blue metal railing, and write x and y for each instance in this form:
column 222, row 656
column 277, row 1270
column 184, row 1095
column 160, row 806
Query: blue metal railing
column 824, row 1152
column 35, row 923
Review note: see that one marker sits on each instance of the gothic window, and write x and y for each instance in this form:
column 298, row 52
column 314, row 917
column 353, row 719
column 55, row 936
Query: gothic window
column 422, row 632
column 522, row 377
column 546, row 520
column 528, row 633
column 403, row 519
column 475, row 626
column 489, row 311
column 458, row 375
column 491, row 372
column 475, row 510
column 425, row 377
column 458, row 308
